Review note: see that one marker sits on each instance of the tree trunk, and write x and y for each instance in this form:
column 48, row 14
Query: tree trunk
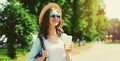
column 11, row 46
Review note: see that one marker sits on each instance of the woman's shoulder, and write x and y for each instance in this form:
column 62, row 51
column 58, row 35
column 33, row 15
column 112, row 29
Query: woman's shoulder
column 36, row 40
column 62, row 37
column 64, row 34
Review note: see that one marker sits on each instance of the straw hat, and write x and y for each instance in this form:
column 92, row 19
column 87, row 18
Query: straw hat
column 50, row 5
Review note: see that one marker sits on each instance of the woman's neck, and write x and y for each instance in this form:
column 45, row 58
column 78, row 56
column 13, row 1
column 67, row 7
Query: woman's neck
column 52, row 31
column 52, row 35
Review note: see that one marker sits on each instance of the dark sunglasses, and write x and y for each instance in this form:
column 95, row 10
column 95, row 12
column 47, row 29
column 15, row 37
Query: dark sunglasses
column 54, row 15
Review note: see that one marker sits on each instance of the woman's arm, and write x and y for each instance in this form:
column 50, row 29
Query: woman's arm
column 68, row 57
column 34, row 50
column 68, row 53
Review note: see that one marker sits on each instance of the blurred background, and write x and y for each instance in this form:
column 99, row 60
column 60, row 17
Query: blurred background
column 86, row 20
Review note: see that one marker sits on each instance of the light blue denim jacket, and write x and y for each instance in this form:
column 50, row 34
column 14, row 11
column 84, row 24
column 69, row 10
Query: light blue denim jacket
column 36, row 48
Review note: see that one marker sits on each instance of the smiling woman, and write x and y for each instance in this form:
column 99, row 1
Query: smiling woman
column 50, row 44
column 112, row 10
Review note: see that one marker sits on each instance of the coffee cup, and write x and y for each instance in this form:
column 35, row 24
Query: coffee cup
column 68, row 41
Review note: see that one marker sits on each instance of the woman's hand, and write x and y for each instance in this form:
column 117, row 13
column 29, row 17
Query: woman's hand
column 45, row 54
column 69, row 50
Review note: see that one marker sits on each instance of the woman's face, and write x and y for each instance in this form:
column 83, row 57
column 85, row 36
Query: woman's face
column 54, row 17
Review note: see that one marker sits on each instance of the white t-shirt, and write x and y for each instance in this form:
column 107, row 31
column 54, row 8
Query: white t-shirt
column 55, row 51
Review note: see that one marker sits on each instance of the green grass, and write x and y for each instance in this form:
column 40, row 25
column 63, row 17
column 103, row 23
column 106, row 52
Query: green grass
column 21, row 56
column 3, row 53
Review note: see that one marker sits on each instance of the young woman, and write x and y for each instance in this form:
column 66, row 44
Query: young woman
column 51, row 32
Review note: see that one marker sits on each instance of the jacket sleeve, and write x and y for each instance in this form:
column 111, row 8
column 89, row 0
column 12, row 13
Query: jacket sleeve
column 34, row 50
column 62, row 36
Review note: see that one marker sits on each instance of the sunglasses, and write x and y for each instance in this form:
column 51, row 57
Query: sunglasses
column 54, row 15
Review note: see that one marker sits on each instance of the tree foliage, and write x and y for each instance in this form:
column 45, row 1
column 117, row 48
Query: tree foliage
column 90, row 19
column 17, row 25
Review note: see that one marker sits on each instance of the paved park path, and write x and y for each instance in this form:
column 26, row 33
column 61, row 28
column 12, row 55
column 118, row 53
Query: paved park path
column 99, row 52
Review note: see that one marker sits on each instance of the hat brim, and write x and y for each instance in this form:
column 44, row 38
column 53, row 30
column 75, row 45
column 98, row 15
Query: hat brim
column 50, row 5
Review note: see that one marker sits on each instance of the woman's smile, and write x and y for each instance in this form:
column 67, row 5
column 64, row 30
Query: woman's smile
column 55, row 20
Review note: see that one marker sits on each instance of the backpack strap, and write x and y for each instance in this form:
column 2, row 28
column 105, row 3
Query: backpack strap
column 42, row 45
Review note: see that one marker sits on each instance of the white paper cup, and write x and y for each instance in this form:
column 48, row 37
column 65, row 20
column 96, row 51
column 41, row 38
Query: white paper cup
column 68, row 41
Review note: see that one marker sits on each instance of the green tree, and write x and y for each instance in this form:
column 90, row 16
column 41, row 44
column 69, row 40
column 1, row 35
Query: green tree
column 17, row 25
column 67, row 15
column 78, row 19
column 88, row 19
column 90, row 30
column 102, row 22
column 34, row 6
